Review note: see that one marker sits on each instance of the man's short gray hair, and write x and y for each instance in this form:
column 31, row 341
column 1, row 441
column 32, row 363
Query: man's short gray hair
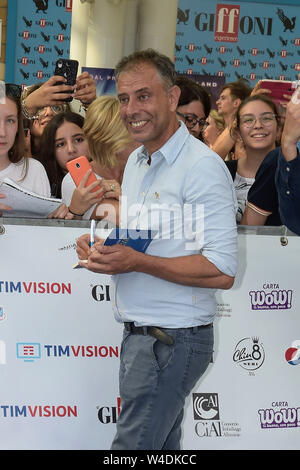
column 161, row 62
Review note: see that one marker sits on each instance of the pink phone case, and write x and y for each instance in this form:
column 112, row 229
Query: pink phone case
column 278, row 89
column 78, row 168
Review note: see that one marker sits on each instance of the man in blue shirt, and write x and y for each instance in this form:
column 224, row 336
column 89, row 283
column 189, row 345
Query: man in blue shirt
column 176, row 185
column 288, row 170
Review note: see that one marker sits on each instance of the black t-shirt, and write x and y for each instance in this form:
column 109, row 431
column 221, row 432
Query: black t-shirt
column 263, row 192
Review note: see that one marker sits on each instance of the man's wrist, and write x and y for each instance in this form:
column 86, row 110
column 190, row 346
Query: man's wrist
column 289, row 149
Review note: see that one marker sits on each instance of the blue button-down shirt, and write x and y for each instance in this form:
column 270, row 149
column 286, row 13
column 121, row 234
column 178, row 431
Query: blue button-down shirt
column 187, row 195
column 288, row 186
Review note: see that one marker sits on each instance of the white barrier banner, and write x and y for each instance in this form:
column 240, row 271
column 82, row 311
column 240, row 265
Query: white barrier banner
column 60, row 346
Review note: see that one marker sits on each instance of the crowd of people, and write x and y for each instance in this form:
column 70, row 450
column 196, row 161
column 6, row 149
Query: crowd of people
column 159, row 144
column 42, row 133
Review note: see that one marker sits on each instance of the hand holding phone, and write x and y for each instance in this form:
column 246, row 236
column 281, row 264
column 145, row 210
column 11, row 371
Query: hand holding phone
column 278, row 88
column 78, row 169
column 67, row 68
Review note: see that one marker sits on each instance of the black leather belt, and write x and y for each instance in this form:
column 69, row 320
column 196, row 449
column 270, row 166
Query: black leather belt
column 156, row 332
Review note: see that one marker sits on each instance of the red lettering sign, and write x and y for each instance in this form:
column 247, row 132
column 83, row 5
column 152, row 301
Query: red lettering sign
column 69, row 5
column 227, row 23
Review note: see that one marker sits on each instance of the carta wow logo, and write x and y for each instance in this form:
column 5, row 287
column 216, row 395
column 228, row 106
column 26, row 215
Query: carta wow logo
column 33, row 287
column 31, row 351
column 292, row 354
column 271, row 297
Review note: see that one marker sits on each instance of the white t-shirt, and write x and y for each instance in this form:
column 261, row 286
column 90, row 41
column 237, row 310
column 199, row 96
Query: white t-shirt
column 36, row 179
column 67, row 189
column 242, row 186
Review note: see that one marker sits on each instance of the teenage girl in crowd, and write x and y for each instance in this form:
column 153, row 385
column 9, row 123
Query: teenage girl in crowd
column 62, row 140
column 257, row 125
column 109, row 147
column 27, row 172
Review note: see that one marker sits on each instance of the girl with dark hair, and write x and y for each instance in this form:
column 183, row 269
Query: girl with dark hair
column 257, row 124
column 28, row 173
column 63, row 140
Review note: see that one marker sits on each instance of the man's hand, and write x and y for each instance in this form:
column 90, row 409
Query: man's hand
column 291, row 131
column 116, row 259
column 83, row 248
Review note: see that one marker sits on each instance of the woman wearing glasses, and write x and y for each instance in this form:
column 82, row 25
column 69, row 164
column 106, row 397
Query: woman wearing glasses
column 257, row 125
column 42, row 101
column 193, row 106
column 27, row 172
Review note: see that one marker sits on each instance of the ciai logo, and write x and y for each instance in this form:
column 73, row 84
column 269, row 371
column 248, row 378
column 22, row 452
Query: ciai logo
column 206, row 406
column 275, row 299
column 207, row 415
column 249, row 354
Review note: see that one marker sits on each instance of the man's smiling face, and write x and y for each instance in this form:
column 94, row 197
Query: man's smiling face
column 147, row 106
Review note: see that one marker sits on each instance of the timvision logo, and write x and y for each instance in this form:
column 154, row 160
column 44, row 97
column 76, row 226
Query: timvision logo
column 38, row 411
column 33, row 287
column 271, row 297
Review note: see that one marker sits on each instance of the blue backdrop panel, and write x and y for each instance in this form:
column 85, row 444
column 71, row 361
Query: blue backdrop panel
column 42, row 30
column 238, row 39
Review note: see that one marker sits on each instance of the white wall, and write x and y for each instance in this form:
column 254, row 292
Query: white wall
column 105, row 30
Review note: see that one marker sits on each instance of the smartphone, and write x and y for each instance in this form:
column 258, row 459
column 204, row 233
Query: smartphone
column 78, row 168
column 68, row 69
column 278, row 89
